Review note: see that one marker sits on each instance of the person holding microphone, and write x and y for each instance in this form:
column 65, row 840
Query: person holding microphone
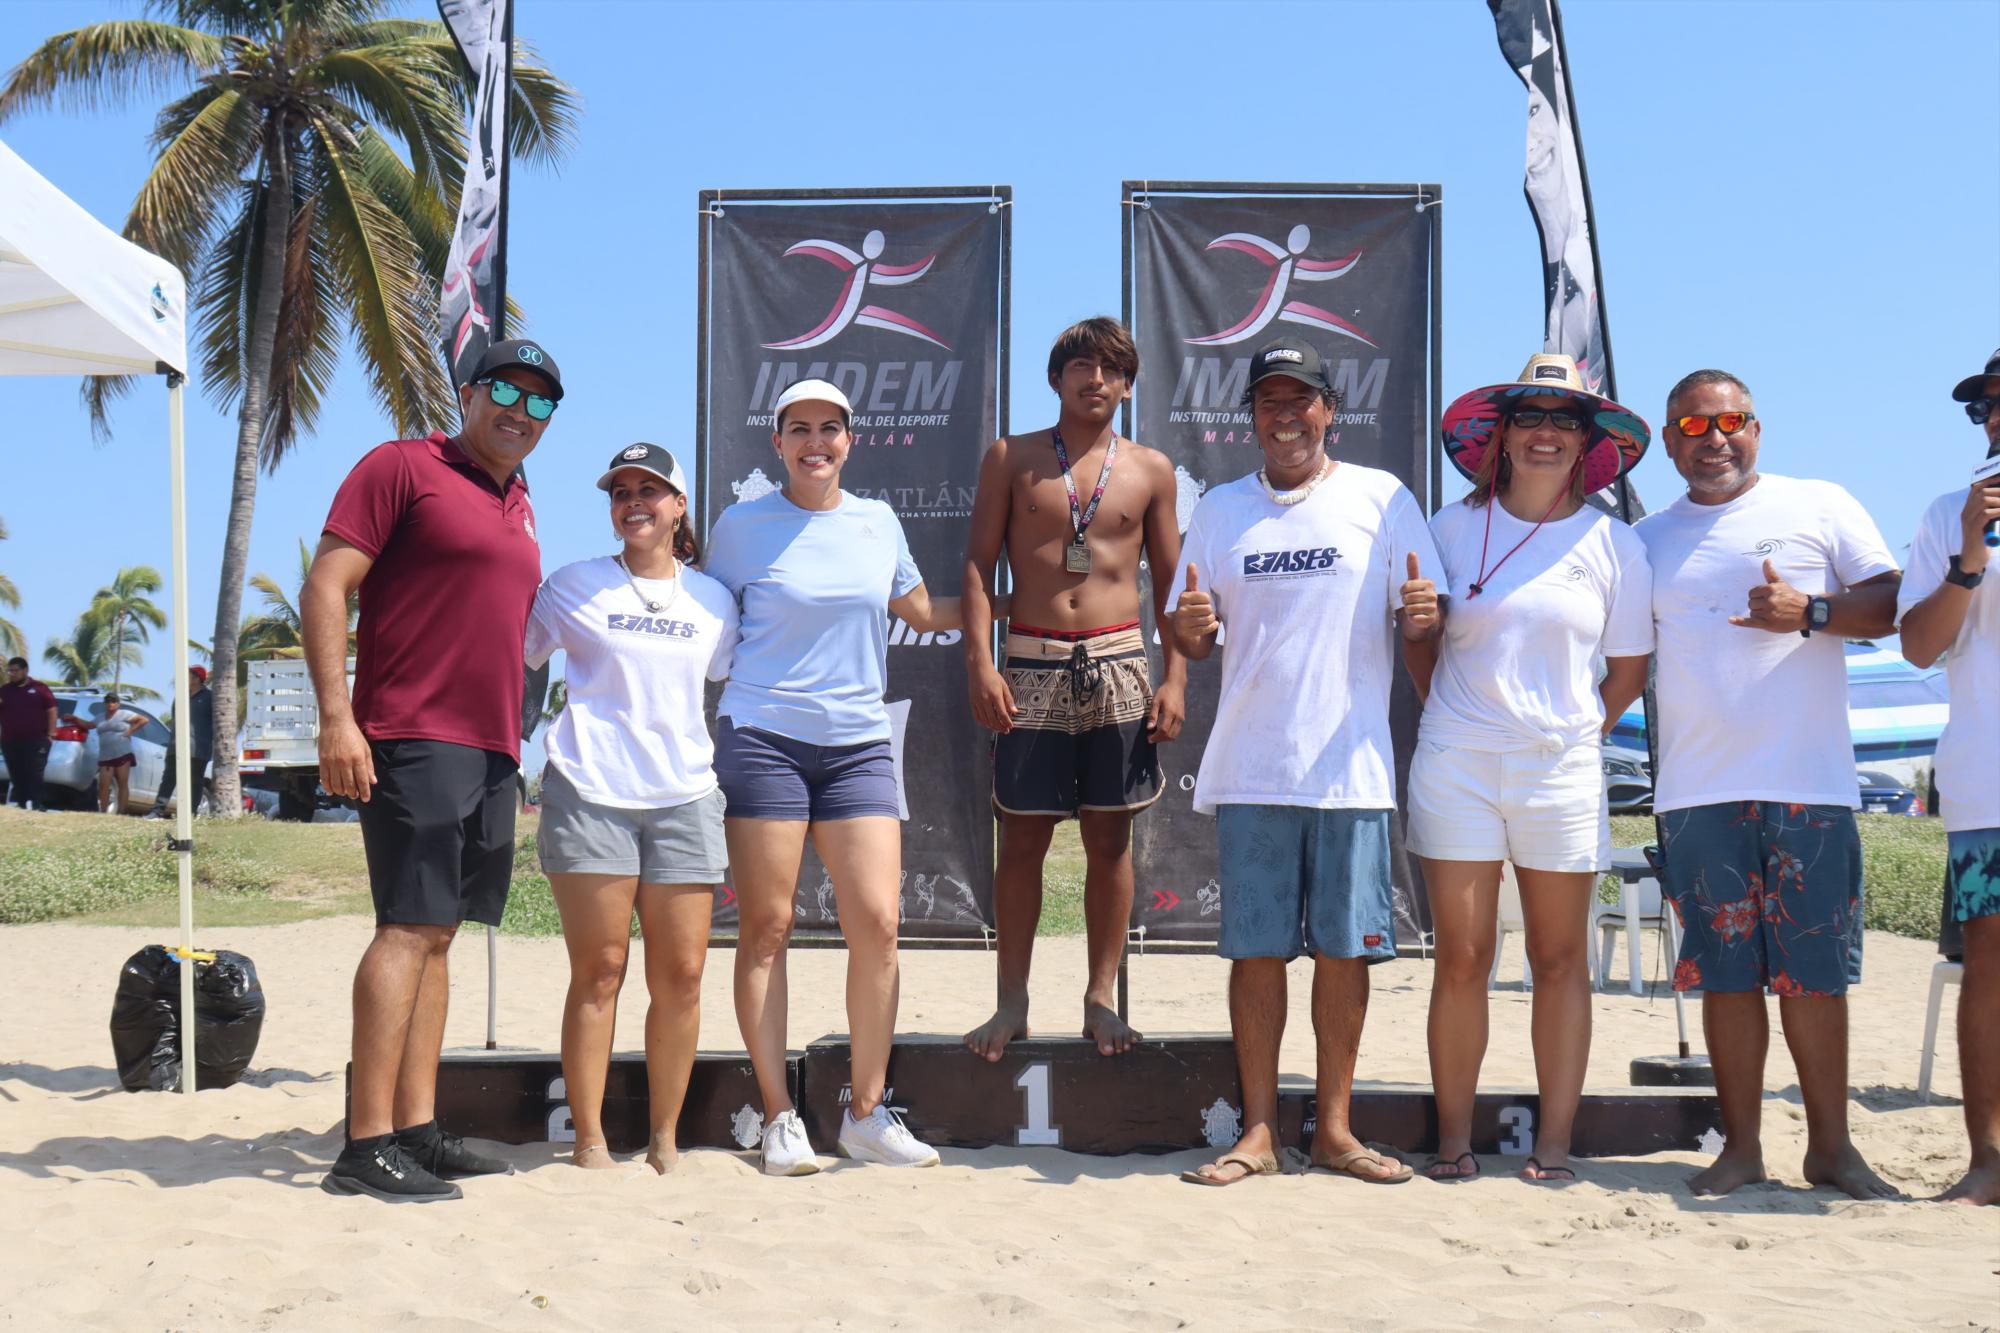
column 1507, row 764
column 631, row 813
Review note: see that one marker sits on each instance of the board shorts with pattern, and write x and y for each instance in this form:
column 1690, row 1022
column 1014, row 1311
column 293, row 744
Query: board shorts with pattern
column 1972, row 861
column 1768, row 895
column 1079, row 740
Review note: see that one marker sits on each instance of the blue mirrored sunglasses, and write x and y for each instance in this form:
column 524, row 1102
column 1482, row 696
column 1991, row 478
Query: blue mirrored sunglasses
column 506, row 394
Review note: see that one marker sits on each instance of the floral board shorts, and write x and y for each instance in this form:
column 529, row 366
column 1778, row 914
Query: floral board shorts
column 1768, row 896
column 1973, row 868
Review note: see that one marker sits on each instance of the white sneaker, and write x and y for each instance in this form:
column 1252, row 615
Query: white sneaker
column 881, row 1137
column 787, row 1151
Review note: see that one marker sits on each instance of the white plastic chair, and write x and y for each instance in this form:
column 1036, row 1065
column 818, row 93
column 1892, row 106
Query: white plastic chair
column 1944, row 974
column 1639, row 909
column 1509, row 920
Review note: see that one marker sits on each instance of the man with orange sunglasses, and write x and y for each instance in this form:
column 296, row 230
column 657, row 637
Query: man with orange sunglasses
column 1756, row 787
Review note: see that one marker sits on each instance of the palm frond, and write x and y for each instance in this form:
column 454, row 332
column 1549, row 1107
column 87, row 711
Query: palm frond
column 403, row 88
column 10, row 596
column 197, row 169
column 542, row 111
column 306, row 353
column 102, row 65
column 12, row 642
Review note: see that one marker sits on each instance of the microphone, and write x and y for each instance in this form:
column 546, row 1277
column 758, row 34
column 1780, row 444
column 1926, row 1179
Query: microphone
column 1987, row 471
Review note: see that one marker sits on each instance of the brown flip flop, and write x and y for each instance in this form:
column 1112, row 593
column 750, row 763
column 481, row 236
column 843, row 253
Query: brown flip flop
column 1344, row 1165
column 1254, row 1164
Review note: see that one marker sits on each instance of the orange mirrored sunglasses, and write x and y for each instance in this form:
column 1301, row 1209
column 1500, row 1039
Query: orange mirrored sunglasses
column 1727, row 422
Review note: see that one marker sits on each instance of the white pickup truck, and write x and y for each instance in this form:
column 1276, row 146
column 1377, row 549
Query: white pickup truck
column 279, row 738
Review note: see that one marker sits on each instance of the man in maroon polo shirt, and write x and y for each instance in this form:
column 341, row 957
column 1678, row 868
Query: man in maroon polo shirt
column 439, row 538
column 27, row 716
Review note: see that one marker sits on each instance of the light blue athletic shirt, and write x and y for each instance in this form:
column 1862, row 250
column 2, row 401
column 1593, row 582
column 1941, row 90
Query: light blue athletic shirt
column 814, row 588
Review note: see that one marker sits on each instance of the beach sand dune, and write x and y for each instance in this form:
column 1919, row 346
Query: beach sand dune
column 160, row 1212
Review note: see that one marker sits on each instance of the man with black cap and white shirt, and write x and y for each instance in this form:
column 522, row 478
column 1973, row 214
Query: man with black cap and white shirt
column 1950, row 608
column 1303, row 572
column 438, row 536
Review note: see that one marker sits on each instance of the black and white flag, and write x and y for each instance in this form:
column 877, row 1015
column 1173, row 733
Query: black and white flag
column 474, row 294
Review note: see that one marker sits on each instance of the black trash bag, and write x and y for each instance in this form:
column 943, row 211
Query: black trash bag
column 145, row 1020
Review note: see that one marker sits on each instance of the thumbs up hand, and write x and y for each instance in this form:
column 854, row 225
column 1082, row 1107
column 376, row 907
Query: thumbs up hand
column 1775, row 605
column 1420, row 616
column 1194, row 613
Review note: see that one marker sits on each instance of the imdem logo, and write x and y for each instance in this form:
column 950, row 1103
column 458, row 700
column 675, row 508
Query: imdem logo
column 1287, row 264
column 863, row 271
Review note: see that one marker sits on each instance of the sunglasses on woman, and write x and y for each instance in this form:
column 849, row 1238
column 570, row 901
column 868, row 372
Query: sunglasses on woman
column 1979, row 409
column 506, row 394
column 1527, row 418
column 1726, row 422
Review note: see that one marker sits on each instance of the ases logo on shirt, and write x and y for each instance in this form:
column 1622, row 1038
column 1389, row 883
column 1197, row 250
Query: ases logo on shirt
column 678, row 629
column 1290, row 564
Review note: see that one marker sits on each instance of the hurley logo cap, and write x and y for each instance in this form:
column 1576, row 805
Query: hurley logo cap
column 811, row 391
column 1970, row 387
column 647, row 458
column 520, row 353
column 1293, row 357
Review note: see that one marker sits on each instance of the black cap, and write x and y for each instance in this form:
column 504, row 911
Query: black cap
column 1294, row 357
column 525, row 353
column 647, row 458
column 1970, row 387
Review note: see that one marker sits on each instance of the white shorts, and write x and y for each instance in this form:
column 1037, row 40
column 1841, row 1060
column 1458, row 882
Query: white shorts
column 1540, row 809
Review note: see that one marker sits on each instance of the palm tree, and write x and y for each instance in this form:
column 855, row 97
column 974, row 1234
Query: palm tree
column 130, row 615
column 279, row 631
column 12, row 642
column 90, row 658
column 278, row 189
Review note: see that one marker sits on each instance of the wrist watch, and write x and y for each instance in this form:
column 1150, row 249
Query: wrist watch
column 1957, row 575
column 1818, row 612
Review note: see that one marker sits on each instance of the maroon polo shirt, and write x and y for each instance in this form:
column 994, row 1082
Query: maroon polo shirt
column 24, row 710
column 444, row 608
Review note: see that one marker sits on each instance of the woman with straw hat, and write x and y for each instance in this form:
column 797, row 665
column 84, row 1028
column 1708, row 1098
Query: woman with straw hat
column 1507, row 765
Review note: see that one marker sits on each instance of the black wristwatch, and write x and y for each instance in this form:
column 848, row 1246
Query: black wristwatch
column 1818, row 612
column 1956, row 574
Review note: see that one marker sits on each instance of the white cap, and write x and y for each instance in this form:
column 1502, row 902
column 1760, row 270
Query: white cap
column 811, row 391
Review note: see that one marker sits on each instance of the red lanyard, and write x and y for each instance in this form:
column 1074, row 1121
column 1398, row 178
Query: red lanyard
column 1492, row 500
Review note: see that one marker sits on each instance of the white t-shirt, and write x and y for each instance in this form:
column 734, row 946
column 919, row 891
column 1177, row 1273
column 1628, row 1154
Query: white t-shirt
column 1306, row 594
column 114, row 734
column 632, row 734
column 1968, row 784
column 1518, row 669
column 1745, row 714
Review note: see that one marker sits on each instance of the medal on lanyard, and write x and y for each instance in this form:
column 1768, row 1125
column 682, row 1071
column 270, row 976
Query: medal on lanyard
column 1076, row 559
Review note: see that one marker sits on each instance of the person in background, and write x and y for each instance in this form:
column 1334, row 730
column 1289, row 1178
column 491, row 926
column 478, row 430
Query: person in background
column 1508, row 765
column 114, row 752
column 27, row 717
column 1950, row 608
column 201, row 747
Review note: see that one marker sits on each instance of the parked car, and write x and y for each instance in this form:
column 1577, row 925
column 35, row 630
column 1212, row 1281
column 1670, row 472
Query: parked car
column 1628, row 780
column 1882, row 794
column 70, row 780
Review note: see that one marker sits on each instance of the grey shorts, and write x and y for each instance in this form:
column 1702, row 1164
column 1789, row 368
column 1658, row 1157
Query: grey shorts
column 677, row 844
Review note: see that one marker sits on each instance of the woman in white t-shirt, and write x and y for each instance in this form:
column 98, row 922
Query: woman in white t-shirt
column 1507, row 765
column 631, row 813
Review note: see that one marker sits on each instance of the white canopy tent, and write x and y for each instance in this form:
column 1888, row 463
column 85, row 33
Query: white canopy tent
column 76, row 298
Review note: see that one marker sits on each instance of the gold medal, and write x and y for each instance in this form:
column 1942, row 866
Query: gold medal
column 1077, row 559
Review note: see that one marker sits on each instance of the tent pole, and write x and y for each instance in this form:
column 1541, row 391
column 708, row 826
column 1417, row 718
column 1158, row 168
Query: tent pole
column 183, row 841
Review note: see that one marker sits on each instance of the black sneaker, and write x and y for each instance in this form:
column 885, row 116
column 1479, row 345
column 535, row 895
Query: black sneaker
column 385, row 1170
column 445, row 1155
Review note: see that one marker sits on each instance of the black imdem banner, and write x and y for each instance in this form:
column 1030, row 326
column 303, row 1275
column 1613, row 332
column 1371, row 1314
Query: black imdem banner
column 900, row 298
column 1212, row 272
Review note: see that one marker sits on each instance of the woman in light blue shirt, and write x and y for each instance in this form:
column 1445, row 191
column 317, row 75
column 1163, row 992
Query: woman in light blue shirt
column 803, row 748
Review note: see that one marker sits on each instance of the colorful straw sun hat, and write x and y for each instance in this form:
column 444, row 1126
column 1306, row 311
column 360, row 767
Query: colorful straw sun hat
column 1616, row 436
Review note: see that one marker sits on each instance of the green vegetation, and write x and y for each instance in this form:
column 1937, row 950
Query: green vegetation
column 249, row 872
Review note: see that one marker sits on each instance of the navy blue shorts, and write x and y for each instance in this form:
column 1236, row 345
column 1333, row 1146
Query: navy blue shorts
column 767, row 776
column 1768, row 895
column 1298, row 880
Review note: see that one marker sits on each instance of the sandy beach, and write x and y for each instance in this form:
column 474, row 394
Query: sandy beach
column 161, row 1212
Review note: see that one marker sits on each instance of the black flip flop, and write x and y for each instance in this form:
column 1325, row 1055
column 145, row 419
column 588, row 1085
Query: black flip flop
column 1459, row 1172
column 1567, row 1176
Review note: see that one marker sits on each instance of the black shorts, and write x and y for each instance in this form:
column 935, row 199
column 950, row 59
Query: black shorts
column 439, row 833
column 1079, row 740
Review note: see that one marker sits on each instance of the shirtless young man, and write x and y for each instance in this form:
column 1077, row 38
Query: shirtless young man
column 1075, row 712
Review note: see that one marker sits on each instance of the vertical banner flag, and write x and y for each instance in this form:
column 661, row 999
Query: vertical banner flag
column 900, row 298
column 474, row 294
column 1558, row 190
column 1213, row 271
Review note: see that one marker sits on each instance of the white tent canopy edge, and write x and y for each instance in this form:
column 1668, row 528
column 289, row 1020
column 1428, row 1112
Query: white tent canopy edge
column 76, row 298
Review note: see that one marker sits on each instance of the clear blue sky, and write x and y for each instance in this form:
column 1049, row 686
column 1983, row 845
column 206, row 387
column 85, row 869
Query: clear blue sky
column 1803, row 194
